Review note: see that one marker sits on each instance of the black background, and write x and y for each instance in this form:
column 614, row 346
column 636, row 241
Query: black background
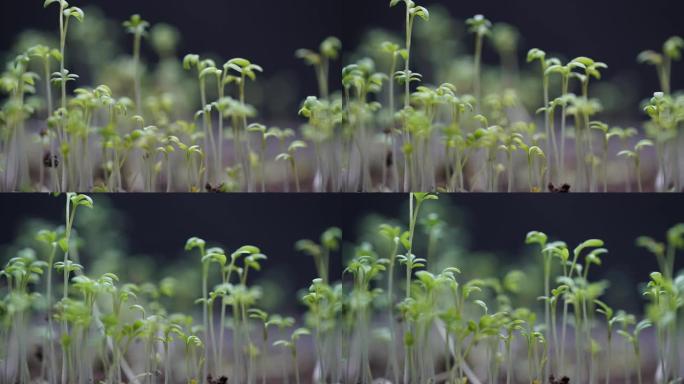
column 605, row 30
column 266, row 32
column 269, row 31
column 159, row 224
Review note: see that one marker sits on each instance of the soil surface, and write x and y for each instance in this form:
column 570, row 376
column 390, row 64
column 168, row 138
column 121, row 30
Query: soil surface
column 220, row 380
column 563, row 380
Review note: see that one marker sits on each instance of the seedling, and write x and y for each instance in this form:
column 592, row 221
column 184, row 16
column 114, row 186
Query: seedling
column 635, row 156
column 663, row 130
column 341, row 128
column 672, row 51
column 633, row 338
column 406, row 77
column 246, row 70
column 480, row 27
column 261, row 130
column 290, row 157
column 291, row 344
column 205, row 68
column 565, row 71
column 137, row 27
column 328, row 50
column 444, row 321
column 395, row 53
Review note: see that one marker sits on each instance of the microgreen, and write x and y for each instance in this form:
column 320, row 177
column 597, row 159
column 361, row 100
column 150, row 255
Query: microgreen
column 635, row 156
column 328, row 50
column 445, row 321
column 289, row 156
column 672, row 51
column 440, row 139
column 291, row 344
column 480, row 27
column 137, row 27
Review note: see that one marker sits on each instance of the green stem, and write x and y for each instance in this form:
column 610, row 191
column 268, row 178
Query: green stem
column 477, row 77
column 136, row 81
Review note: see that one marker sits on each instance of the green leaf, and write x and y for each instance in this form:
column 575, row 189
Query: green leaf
column 75, row 12
column 194, row 242
column 535, row 54
column 190, row 61
column 63, row 244
column 536, row 237
column 482, row 304
column 48, row 2
column 245, row 250
column 591, row 243
column 81, row 200
column 240, row 62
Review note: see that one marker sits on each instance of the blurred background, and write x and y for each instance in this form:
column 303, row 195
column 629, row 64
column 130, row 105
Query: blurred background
column 484, row 235
column 141, row 237
column 607, row 31
column 269, row 32
column 266, row 32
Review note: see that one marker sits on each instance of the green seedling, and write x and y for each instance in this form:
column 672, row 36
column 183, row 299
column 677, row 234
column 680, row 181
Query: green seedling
column 506, row 39
column 50, row 238
column 633, row 339
column 66, row 12
column 260, row 129
column 406, row 77
column 662, row 129
column 565, row 72
column 290, row 157
column 281, row 135
column 635, row 157
column 329, row 50
column 342, row 129
column 480, row 27
column 245, row 70
column 291, row 344
column 205, row 68
column 199, row 244
column 137, row 27
column 412, row 10
column 329, row 242
column 662, row 61
column 445, row 322
column 395, row 54
column 536, row 54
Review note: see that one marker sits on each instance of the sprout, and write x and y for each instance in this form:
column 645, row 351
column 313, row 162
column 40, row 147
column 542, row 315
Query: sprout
column 291, row 344
column 329, row 50
column 635, row 156
column 672, row 51
column 289, row 156
column 633, row 339
column 480, row 27
column 137, row 27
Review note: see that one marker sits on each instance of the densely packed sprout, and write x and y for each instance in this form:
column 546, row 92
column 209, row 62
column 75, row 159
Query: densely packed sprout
column 439, row 324
column 456, row 131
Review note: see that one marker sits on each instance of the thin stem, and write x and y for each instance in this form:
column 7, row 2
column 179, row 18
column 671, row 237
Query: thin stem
column 477, row 77
column 136, row 81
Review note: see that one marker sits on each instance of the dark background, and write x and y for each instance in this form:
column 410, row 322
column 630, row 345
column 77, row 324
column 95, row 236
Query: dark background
column 497, row 224
column 268, row 32
column 159, row 224
column 264, row 31
column 611, row 31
